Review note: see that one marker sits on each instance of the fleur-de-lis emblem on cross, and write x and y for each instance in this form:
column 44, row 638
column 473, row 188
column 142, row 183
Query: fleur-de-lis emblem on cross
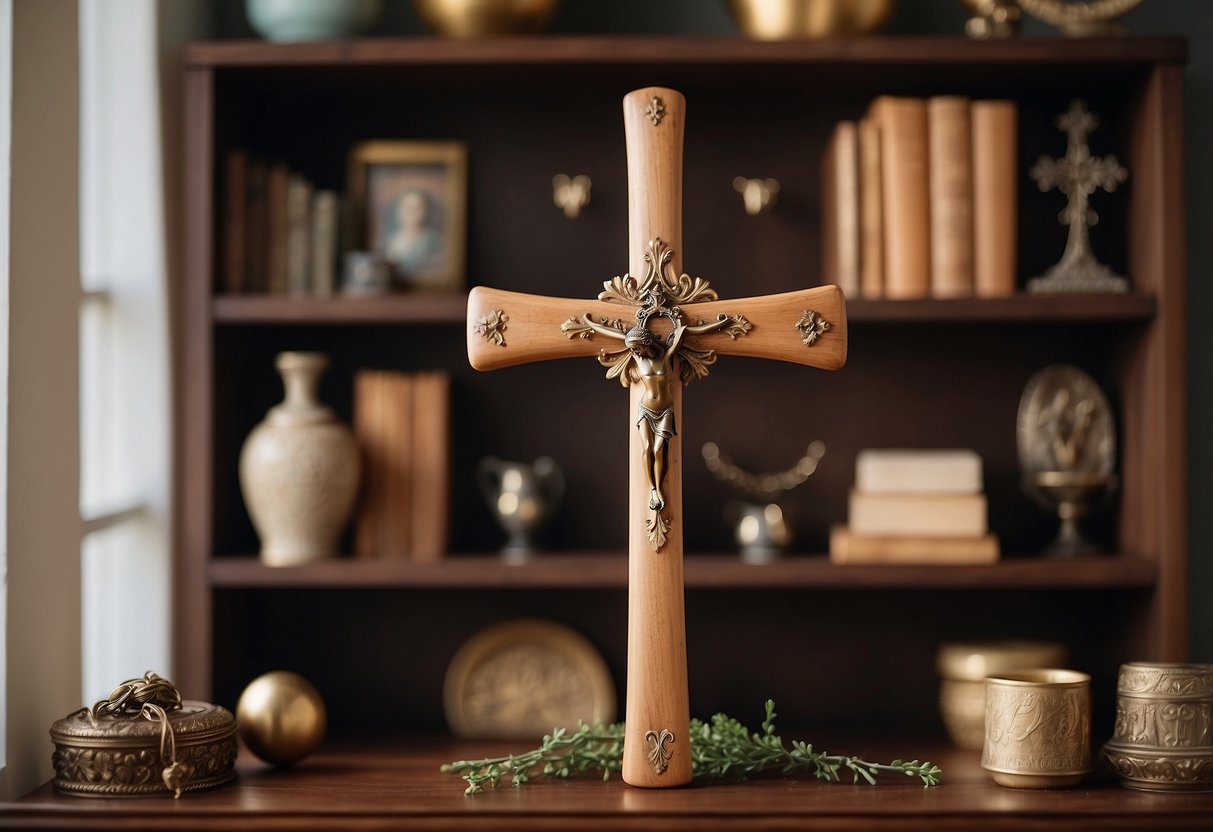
column 659, row 755
column 655, row 110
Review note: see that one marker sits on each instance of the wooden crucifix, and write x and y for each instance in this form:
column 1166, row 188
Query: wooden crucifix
column 655, row 333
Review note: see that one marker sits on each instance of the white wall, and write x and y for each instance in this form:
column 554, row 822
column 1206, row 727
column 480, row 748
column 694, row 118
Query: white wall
column 42, row 493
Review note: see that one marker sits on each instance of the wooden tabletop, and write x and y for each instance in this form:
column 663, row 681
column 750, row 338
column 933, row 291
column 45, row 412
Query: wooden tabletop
column 399, row 786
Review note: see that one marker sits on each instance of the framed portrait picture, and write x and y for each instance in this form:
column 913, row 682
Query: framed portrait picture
column 409, row 201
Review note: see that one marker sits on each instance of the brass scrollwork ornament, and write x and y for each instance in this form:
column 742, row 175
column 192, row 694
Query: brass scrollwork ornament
column 492, row 327
column 648, row 359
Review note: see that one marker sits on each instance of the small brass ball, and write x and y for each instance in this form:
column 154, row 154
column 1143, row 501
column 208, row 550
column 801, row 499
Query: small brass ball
column 281, row 717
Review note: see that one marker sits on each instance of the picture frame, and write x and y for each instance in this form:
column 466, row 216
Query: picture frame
column 409, row 206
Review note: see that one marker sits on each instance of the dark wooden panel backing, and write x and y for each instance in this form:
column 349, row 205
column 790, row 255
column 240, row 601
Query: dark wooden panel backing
column 1154, row 433
column 192, row 638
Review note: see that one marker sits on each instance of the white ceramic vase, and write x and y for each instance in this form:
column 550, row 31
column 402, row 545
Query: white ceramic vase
column 299, row 469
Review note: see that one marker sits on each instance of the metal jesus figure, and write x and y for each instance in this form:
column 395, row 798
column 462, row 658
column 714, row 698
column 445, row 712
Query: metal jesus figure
column 507, row 328
column 653, row 369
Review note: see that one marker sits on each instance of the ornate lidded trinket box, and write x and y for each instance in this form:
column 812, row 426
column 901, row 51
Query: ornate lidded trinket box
column 144, row 740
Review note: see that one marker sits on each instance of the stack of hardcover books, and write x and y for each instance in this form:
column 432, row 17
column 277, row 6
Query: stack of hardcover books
column 916, row 507
column 919, row 199
column 402, row 424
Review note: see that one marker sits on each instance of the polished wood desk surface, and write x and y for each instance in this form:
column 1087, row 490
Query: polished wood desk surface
column 399, row 785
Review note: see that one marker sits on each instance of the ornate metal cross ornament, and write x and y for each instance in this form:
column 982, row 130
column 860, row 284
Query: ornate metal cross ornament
column 656, row 333
column 1077, row 175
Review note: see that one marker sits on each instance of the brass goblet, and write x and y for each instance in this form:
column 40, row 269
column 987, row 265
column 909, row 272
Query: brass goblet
column 1071, row 494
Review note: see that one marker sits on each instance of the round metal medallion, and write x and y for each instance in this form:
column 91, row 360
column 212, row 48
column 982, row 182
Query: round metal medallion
column 520, row 679
column 1065, row 424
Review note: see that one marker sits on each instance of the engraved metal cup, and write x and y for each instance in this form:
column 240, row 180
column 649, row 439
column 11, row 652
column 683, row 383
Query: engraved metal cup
column 1038, row 728
column 522, row 496
column 1162, row 740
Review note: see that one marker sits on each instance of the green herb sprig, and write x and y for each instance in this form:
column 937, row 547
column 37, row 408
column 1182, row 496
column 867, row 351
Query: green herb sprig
column 721, row 747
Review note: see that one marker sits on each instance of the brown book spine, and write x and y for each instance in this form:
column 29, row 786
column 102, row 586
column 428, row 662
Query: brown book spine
column 257, row 248
column 840, row 210
column 995, row 197
column 397, row 508
column 431, row 465
column 298, row 235
column 235, row 225
column 951, row 174
column 906, row 195
column 871, row 212
column 277, row 196
column 324, row 244
column 368, row 431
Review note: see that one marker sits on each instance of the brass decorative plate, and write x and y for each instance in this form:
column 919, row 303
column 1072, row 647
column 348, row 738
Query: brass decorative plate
column 521, row 679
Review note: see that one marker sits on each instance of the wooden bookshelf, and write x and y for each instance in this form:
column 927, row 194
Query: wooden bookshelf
column 921, row 373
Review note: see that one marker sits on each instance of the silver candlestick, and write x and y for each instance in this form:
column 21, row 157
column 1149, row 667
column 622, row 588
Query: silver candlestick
column 1077, row 175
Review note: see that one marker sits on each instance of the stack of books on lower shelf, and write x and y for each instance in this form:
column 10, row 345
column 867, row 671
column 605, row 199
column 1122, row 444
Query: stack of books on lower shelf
column 916, row 507
column 919, row 199
column 402, row 424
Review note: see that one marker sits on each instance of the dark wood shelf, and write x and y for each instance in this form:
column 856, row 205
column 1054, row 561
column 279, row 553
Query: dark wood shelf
column 1014, row 309
column 451, row 309
column 412, row 308
column 706, row 571
column 647, row 51
column 399, row 785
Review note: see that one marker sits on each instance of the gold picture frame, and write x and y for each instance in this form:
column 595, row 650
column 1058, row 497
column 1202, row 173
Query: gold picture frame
column 409, row 205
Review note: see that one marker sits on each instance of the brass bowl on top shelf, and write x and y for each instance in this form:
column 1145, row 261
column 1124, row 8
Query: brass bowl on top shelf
column 787, row 19
column 484, row 18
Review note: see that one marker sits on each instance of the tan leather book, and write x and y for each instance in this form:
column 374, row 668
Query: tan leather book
column 323, row 257
column 871, row 212
column 840, row 210
column 383, row 427
column 431, row 465
column 298, row 235
column 370, row 435
column 917, row 515
column 846, row 547
column 995, row 129
column 905, row 195
column 396, row 513
column 951, row 173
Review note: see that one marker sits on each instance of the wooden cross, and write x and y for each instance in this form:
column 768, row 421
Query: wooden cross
column 655, row 333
